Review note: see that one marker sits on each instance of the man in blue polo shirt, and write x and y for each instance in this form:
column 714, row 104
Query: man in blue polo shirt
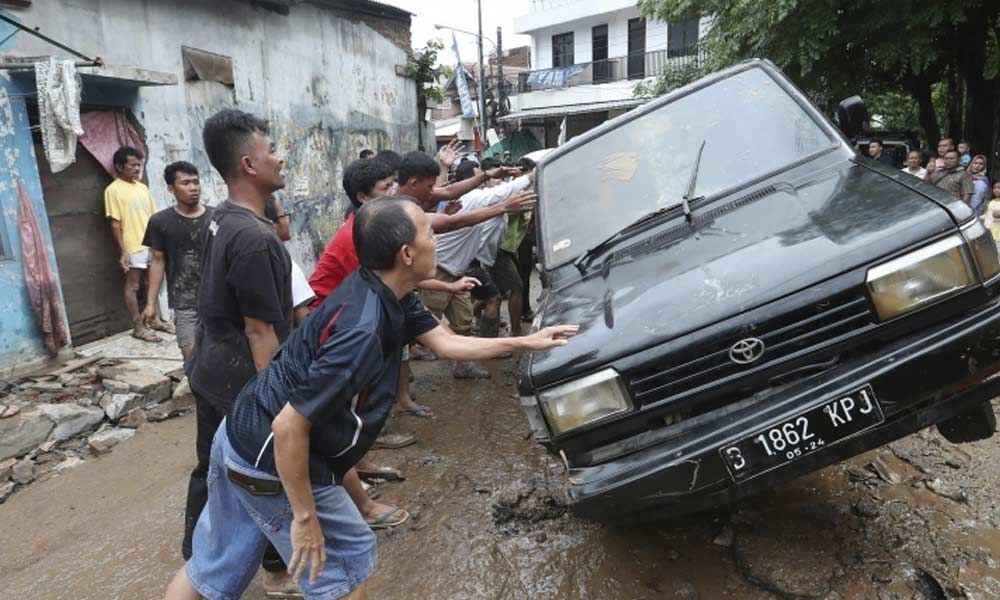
column 304, row 420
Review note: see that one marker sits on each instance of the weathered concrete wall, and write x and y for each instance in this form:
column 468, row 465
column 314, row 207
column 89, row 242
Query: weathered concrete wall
column 326, row 82
column 19, row 339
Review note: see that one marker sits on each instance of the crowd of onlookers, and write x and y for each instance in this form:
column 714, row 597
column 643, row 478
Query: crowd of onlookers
column 236, row 295
column 956, row 170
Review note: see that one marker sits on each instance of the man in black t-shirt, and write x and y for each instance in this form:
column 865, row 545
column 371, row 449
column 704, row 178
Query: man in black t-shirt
column 303, row 421
column 245, row 296
column 175, row 236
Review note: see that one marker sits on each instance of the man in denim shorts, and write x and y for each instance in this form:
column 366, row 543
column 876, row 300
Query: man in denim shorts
column 303, row 421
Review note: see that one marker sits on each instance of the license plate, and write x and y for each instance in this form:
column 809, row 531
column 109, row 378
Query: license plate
column 801, row 435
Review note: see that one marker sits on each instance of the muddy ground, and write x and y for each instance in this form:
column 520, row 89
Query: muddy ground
column 917, row 520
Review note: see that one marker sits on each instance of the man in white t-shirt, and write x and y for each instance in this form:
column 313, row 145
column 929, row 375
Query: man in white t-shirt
column 458, row 249
column 302, row 293
column 913, row 167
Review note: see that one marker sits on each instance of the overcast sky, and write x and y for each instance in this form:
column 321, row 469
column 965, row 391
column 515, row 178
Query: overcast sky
column 462, row 14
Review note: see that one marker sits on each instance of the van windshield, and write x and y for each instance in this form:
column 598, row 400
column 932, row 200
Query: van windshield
column 749, row 123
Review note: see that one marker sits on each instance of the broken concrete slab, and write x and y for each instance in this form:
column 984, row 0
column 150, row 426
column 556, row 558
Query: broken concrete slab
column 119, row 405
column 115, row 387
column 183, row 394
column 134, row 419
column 21, row 433
column 6, row 489
column 68, row 463
column 43, row 386
column 154, row 386
column 71, row 419
column 946, row 490
column 23, row 472
column 6, row 468
column 102, row 441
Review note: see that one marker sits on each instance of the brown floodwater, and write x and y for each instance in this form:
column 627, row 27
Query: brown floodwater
column 489, row 520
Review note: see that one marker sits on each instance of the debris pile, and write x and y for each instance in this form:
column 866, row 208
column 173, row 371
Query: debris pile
column 54, row 421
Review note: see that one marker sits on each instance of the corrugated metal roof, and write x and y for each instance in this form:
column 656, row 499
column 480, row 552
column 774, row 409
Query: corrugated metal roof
column 369, row 7
column 571, row 109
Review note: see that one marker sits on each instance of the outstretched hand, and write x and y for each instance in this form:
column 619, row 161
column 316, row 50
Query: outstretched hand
column 520, row 202
column 501, row 172
column 464, row 284
column 550, row 337
column 447, row 155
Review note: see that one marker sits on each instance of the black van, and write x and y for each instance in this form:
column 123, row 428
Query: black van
column 756, row 301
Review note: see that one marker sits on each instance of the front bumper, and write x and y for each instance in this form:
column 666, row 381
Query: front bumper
column 919, row 380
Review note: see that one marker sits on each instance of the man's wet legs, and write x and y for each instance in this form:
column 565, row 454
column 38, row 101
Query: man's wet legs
column 208, row 418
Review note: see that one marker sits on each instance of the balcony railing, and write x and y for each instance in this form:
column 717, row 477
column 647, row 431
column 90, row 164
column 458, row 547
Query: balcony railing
column 633, row 66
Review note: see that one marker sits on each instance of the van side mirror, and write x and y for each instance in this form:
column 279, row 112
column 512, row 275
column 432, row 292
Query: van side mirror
column 852, row 116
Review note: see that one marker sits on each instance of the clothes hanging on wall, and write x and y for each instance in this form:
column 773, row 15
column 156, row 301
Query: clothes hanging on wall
column 59, row 110
column 106, row 132
column 39, row 279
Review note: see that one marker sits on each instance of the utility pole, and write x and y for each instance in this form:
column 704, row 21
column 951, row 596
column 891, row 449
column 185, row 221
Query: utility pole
column 501, row 84
column 482, row 79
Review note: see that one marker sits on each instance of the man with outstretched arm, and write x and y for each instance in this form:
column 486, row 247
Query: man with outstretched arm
column 303, row 421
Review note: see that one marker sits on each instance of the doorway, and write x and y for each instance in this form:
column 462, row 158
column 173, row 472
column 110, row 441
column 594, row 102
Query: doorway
column 86, row 253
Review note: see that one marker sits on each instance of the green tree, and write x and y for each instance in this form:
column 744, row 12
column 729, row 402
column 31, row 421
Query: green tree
column 836, row 48
column 422, row 66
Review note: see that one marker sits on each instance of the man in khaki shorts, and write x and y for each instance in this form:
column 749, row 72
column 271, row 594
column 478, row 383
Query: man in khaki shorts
column 129, row 205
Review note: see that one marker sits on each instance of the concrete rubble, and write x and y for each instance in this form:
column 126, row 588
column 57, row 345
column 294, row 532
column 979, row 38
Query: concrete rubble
column 102, row 441
column 51, row 422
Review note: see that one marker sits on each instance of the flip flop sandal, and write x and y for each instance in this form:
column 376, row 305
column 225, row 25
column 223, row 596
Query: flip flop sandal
column 386, row 473
column 422, row 411
column 372, row 491
column 394, row 441
column 165, row 327
column 287, row 594
column 147, row 336
column 387, row 522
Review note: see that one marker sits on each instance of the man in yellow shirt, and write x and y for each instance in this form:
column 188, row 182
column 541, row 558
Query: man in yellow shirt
column 128, row 204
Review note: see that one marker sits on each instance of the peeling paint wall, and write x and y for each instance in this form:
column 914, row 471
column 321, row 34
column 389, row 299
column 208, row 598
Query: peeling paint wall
column 326, row 81
column 19, row 339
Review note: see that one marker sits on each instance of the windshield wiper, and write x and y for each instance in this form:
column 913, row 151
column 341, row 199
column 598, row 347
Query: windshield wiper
column 689, row 194
column 588, row 256
column 584, row 261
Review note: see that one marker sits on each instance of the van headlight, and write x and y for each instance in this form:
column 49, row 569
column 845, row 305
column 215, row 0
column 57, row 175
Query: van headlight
column 921, row 277
column 984, row 249
column 584, row 401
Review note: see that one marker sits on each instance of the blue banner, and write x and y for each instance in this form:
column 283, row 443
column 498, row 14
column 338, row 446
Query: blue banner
column 468, row 110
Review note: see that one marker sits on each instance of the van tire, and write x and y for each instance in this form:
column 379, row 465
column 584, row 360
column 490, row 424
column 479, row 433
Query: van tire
column 979, row 423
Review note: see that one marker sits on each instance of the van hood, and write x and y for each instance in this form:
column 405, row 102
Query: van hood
column 743, row 258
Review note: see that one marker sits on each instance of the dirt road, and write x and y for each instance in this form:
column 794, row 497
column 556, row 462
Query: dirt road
column 918, row 520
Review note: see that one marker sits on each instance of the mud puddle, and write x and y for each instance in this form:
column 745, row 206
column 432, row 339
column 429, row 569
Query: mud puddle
column 917, row 520
column 492, row 521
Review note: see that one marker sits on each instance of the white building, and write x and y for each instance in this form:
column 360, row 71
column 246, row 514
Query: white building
column 586, row 57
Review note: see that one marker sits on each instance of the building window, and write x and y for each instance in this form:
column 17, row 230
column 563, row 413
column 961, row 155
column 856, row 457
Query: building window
column 682, row 37
column 599, row 54
column 636, row 48
column 200, row 65
column 562, row 50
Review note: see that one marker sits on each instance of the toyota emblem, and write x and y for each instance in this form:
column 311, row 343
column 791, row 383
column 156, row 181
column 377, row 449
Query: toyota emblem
column 746, row 351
